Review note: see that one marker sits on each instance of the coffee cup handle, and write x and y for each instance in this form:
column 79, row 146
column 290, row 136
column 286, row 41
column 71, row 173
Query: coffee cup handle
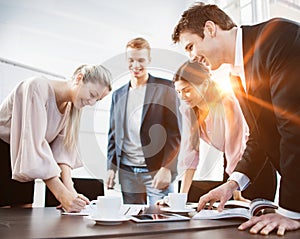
column 167, row 200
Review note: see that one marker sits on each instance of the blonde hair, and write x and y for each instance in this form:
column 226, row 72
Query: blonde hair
column 91, row 73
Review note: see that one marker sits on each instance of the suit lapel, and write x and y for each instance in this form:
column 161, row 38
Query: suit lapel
column 151, row 89
column 251, row 78
column 122, row 104
column 248, row 52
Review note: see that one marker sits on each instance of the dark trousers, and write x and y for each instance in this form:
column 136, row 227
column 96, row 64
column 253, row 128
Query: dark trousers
column 13, row 193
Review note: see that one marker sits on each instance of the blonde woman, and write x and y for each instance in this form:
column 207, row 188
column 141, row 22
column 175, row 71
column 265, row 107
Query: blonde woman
column 39, row 123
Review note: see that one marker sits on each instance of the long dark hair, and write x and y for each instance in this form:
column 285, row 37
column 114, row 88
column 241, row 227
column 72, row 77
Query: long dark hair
column 196, row 73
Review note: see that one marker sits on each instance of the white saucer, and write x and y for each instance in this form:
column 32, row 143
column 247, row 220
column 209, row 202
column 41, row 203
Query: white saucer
column 168, row 209
column 109, row 221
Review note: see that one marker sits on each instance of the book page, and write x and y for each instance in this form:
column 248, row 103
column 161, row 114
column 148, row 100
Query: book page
column 259, row 204
column 234, row 208
column 234, row 204
column 226, row 213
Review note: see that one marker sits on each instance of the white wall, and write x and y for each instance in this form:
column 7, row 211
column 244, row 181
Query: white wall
column 282, row 10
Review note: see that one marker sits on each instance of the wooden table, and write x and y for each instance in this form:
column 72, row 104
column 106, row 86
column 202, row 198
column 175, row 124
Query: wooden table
column 49, row 223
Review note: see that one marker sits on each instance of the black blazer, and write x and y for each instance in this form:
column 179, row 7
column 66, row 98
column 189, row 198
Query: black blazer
column 272, row 68
column 159, row 132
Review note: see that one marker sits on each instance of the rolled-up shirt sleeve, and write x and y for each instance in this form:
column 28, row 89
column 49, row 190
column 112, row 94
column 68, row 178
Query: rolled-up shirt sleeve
column 31, row 154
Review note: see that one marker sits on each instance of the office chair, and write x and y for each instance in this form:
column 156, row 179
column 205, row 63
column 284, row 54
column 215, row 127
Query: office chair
column 199, row 188
column 90, row 187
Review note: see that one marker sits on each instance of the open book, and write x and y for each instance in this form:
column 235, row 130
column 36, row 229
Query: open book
column 234, row 208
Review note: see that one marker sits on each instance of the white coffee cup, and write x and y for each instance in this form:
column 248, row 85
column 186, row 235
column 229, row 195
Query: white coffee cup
column 176, row 200
column 108, row 207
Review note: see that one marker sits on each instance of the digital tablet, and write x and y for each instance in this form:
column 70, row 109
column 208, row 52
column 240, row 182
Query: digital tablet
column 161, row 217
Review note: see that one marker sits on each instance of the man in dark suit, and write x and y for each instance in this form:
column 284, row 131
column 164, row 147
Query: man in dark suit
column 144, row 136
column 265, row 62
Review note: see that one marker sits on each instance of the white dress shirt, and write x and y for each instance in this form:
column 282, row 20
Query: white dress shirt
column 238, row 70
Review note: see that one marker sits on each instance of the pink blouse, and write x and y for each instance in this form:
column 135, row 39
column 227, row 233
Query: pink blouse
column 33, row 126
column 225, row 129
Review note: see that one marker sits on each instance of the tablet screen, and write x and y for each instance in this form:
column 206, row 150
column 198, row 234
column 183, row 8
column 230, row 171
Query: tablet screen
column 159, row 217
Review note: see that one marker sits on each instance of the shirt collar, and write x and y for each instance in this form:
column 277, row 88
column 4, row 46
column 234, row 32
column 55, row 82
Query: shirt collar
column 238, row 67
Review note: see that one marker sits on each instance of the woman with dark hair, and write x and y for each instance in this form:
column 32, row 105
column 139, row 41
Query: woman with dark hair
column 215, row 117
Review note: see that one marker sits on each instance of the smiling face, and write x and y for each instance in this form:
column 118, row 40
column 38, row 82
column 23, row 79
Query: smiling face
column 87, row 93
column 190, row 94
column 138, row 60
column 203, row 50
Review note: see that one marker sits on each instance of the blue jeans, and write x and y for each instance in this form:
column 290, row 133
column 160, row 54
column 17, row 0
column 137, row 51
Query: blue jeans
column 136, row 186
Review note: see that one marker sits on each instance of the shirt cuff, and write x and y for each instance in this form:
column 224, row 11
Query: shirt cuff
column 241, row 179
column 288, row 213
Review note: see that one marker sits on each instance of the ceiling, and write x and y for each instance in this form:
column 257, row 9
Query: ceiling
column 57, row 35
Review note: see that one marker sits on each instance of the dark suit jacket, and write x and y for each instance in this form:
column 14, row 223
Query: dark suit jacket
column 159, row 132
column 272, row 68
